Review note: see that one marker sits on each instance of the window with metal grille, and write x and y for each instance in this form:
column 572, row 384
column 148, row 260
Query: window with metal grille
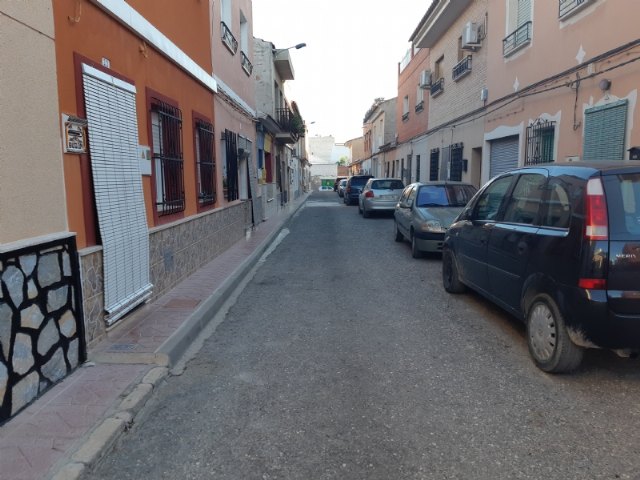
column 417, row 168
column 205, row 163
column 434, row 164
column 540, row 139
column 166, row 131
column 455, row 167
column 230, row 179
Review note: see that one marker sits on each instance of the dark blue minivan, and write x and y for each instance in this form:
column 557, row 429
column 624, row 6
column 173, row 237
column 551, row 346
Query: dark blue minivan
column 558, row 246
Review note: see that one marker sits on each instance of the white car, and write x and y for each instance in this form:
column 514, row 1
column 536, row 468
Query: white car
column 379, row 195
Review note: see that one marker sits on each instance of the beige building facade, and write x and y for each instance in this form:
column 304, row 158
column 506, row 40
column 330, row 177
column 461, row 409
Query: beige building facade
column 455, row 34
column 579, row 102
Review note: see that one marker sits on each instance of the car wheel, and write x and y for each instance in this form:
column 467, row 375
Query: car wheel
column 450, row 279
column 549, row 343
column 415, row 251
column 399, row 237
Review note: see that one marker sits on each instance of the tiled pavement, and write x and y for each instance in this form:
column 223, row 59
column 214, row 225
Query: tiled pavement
column 71, row 425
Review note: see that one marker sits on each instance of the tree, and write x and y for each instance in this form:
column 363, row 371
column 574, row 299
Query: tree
column 343, row 161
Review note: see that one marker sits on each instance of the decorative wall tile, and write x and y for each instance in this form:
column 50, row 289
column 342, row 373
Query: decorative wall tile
column 31, row 317
column 13, row 278
column 22, row 354
column 49, row 270
column 48, row 338
column 56, row 368
column 24, row 392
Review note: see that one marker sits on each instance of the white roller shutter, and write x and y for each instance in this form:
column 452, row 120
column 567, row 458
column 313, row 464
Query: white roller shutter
column 504, row 155
column 113, row 144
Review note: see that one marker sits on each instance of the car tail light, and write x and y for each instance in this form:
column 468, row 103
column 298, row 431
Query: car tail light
column 347, row 189
column 597, row 222
column 369, row 194
column 593, row 283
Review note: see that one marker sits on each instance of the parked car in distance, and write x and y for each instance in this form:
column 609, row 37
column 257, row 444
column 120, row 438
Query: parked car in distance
column 341, row 186
column 379, row 195
column 558, row 246
column 352, row 189
column 337, row 182
column 425, row 211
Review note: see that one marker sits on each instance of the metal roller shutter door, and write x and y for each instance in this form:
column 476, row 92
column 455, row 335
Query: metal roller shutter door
column 113, row 144
column 504, row 155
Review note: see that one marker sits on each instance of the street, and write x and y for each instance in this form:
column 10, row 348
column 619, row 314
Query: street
column 344, row 358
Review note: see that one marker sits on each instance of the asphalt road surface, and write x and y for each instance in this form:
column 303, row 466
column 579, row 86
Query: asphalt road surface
column 343, row 358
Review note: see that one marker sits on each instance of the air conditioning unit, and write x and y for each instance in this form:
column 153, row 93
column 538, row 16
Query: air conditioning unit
column 471, row 36
column 425, row 79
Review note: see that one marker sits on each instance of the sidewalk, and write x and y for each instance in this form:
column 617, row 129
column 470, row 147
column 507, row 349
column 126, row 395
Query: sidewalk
column 67, row 429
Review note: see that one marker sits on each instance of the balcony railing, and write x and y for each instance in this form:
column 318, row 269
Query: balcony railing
column 419, row 106
column 290, row 122
column 405, row 116
column 567, row 8
column 462, row 68
column 437, row 87
column 518, row 39
column 246, row 64
column 228, row 39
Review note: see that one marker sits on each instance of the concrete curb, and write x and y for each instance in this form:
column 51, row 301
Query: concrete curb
column 104, row 437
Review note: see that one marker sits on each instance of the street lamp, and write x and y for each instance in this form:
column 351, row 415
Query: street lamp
column 298, row 46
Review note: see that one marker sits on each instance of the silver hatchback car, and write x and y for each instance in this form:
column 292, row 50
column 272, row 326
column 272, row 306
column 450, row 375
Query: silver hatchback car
column 379, row 195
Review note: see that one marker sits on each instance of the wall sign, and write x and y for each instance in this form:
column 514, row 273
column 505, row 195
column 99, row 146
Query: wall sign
column 74, row 130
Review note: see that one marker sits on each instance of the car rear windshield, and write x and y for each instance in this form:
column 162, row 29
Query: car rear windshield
column 623, row 200
column 445, row 195
column 387, row 185
column 359, row 180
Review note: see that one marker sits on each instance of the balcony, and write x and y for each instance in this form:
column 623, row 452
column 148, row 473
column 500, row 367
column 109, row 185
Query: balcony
column 518, row 39
column 566, row 8
column 246, row 64
column 437, row 87
column 228, row 39
column 419, row 106
column 291, row 126
column 462, row 69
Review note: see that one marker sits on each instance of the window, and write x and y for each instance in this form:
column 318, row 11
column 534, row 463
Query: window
column 419, row 99
column 540, row 142
column 205, row 165
column 519, row 26
column 488, row 204
column 230, row 177
column 526, row 199
column 455, row 165
column 434, row 164
column 417, row 168
column 244, row 45
column 437, row 85
column 405, row 108
column 604, row 131
column 166, row 132
column 558, row 211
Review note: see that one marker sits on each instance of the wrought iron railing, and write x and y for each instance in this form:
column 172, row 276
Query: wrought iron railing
column 569, row 7
column 540, row 142
column 246, row 64
column 290, row 122
column 228, row 39
column 437, row 87
column 167, row 156
column 206, row 164
column 419, row 106
column 405, row 116
column 517, row 39
column 462, row 68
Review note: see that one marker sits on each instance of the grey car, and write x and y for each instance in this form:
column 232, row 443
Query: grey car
column 379, row 195
column 426, row 210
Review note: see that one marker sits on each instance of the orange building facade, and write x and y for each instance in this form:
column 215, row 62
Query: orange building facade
column 145, row 196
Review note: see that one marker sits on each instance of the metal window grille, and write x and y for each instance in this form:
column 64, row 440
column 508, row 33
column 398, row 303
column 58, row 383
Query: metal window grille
column 231, row 178
column 205, row 163
column 247, row 66
column 437, row 87
column 567, row 7
column 228, row 39
column 517, row 39
column 540, row 139
column 417, row 168
column 167, row 157
column 462, row 68
column 434, row 164
column 455, row 167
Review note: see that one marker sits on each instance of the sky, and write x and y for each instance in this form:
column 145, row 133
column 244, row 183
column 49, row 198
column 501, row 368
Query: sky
column 351, row 58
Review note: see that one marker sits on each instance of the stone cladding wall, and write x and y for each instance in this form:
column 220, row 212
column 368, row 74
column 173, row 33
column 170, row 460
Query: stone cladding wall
column 41, row 328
